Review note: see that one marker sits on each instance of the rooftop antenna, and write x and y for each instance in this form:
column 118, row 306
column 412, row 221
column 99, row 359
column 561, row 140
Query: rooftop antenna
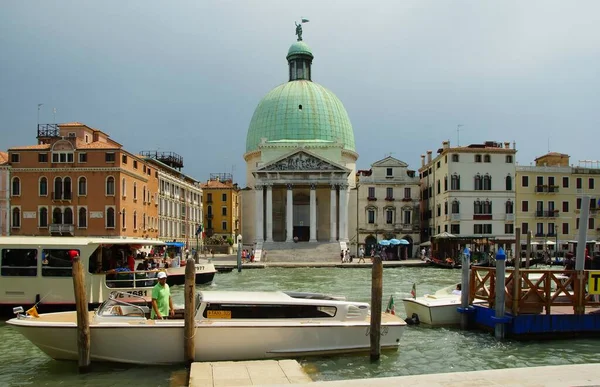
column 548, row 144
column 458, row 134
column 54, row 115
column 389, row 154
column 38, row 114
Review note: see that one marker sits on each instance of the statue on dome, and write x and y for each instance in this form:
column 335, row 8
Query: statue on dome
column 299, row 31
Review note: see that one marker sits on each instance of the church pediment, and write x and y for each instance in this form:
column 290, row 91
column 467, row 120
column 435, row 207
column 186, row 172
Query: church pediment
column 389, row 162
column 302, row 161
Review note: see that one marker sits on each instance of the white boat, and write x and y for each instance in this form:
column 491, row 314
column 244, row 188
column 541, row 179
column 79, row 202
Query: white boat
column 39, row 269
column 205, row 272
column 228, row 326
column 438, row 309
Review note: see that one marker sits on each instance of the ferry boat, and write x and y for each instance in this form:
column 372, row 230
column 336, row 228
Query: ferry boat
column 38, row 270
column 228, row 326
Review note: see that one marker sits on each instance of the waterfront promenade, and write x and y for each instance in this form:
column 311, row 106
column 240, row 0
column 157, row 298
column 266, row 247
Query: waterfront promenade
column 228, row 262
column 288, row 373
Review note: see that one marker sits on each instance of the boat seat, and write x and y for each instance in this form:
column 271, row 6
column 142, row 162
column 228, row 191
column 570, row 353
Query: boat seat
column 117, row 311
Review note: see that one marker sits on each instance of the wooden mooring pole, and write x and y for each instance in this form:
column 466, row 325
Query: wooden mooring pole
column 516, row 296
column 500, row 293
column 376, row 295
column 83, row 317
column 189, row 330
column 464, row 292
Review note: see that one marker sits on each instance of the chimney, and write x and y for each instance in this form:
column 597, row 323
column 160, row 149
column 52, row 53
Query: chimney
column 507, row 145
column 446, row 144
column 422, row 160
column 429, row 156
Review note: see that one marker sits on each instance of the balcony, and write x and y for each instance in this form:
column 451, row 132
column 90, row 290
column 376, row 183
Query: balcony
column 541, row 188
column 371, row 198
column 510, row 217
column 552, row 188
column 62, row 196
column 540, row 234
column 546, row 214
column 209, row 216
column 455, row 217
column 482, row 217
column 389, row 199
column 209, row 201
column 61, row 229
column 407, row 199
column 209, row 232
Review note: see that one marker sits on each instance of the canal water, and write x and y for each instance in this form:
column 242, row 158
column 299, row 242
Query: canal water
column 422, row 350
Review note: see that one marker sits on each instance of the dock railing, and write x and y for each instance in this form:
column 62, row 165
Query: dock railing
column 536, row 291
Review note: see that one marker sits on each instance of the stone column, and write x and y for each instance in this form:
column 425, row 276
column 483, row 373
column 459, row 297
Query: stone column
column 333, row 214
column 269, row 212
column 313, row 213
column 289, row 214
column 258, row 191
column 343, row 212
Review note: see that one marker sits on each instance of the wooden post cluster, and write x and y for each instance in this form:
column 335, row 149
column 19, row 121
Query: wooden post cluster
column 376, row 298
column 464, row 293
column 83, row 317
column 528, row 250
column 189, row 329
column 516, row 274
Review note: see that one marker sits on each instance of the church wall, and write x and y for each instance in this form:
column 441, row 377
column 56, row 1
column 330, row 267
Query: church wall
column 248, row 224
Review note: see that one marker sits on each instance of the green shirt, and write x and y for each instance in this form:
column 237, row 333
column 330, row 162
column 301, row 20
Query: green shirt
column 161, row 294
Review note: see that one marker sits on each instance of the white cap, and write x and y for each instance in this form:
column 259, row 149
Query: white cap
column 162, row 274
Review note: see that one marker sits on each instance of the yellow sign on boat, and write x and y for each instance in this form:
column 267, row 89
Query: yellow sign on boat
column 594, row 282
column 218, row 314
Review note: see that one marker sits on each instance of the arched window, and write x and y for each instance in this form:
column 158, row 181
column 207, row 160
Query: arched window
column 124, row 187
column 82, row 218
column 67, row 190
column 477, row 158
column 478, row 184
column 508, row 183
column 487, row 207
column 455, row 207
column 16, row 186
column 477, row 208
column 16, row 217
column 82, row 185
column 455, row 182
column 57, row 216
column 144, row 221
column 487, row 159
column 58, row 188
column 446, row 208
column 124, row 219
column 144, row 194
column 134, row 190
column 135, row 220
column 43, row 191
column 110, row 217
column 68, row 216
column 43, row 217
column 110, row 186
column 509, row 207
column 487, row 182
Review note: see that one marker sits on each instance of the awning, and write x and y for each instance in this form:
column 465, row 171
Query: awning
column 425, row 244
column 175, row 244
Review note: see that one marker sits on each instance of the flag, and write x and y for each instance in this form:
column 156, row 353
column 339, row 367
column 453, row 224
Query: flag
column 413, row 291
column 199, row 230
column 390, row 307
column 33, row 312
column 305, row 20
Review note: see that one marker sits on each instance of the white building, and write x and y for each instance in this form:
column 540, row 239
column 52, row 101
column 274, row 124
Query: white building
column 388, row 203
column 469, row 191
column 4, row 194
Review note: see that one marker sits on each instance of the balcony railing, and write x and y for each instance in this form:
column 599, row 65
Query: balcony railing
column 546, row 213
column 510, row 217
column 371, row 198
column 553, row 188
column 389, row 199
column 482, row 217
column 58, row 196
column 541, row 188
column 407, row 199
column 62, row 229
column 455, row 217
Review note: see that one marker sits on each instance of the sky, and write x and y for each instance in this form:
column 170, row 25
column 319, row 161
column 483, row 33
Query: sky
column 186, row 76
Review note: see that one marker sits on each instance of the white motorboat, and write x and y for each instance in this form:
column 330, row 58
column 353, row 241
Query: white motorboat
column 205, row 272
column 228, row 326
column 438, row 309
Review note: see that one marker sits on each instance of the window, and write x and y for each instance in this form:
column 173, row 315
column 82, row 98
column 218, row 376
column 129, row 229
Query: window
column 224, row 197
column 445, row 183
column 579, row 183
column 134, row 164
column 552, row 229
column 224, row 225
column 15, row 158
column 109, row 157
column 135, row 220
column 110, row 186
column 16, row 187
column 508, row 183
column 134, row 190
column 565, row 228
column 371, row 192
column 82, row 217
column 407, row 193
column 509, row 207
column 67, row 192
column 62, row 157
column 43, row 191
column 455, row 207
column 525, row 181
column 58, row 188
column 144, row 198
column 487, row 183
column 42, row 157
column 455, row 182
column 509, row 228
column 509, row 160
column 371, row 216
column 437, row 185
column 224, row 211
column 478, row 183
column 524, row 228
column 110, row 217
column 406, row 216
column 482, row 228
column 439, row 210
column 438, row 165
column 43, row 217
column 446, row 208
column 590, row 223
column 455, row 229
column 525, row 206
column 19, row 262
column 68, row 216
column 565, row 182
column 57, row 216
column 487, row 159
column 565, row 206
column 82, row 186
column 389, row 216
column 578, row 205
column 16, row 217
column 124, row 219
column 487, row 207
column 389, row 193
column 477, row 158
column 57, row 262
column 389, row 172
column 591, row 183
column 539, row 229
column 455, row 158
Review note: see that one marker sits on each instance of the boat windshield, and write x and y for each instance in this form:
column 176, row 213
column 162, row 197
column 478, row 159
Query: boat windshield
column 135, row 306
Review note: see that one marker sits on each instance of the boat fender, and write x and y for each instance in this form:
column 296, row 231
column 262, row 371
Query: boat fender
column 413, row 320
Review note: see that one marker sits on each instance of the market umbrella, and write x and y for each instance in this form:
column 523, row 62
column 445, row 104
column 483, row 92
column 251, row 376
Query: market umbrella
column 404, row 242
column 384, row 242
column 395, row 241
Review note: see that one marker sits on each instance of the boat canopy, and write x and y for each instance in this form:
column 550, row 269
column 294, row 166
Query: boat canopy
column 175, row 244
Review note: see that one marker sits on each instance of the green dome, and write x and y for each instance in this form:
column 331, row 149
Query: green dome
column 300, row 110
column 299, row 48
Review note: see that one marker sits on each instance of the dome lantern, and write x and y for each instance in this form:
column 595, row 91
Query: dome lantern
column 299, row 59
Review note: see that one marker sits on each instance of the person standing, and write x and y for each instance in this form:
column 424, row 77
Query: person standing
column 162, row 302
column 361, row 255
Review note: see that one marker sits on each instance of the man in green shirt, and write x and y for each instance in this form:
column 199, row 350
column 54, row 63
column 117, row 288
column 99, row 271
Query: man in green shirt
column 162, row 303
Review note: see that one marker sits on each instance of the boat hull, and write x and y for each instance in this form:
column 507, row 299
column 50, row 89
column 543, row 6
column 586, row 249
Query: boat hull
column 205, row 274
column 161, row 342
column 434, row 311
